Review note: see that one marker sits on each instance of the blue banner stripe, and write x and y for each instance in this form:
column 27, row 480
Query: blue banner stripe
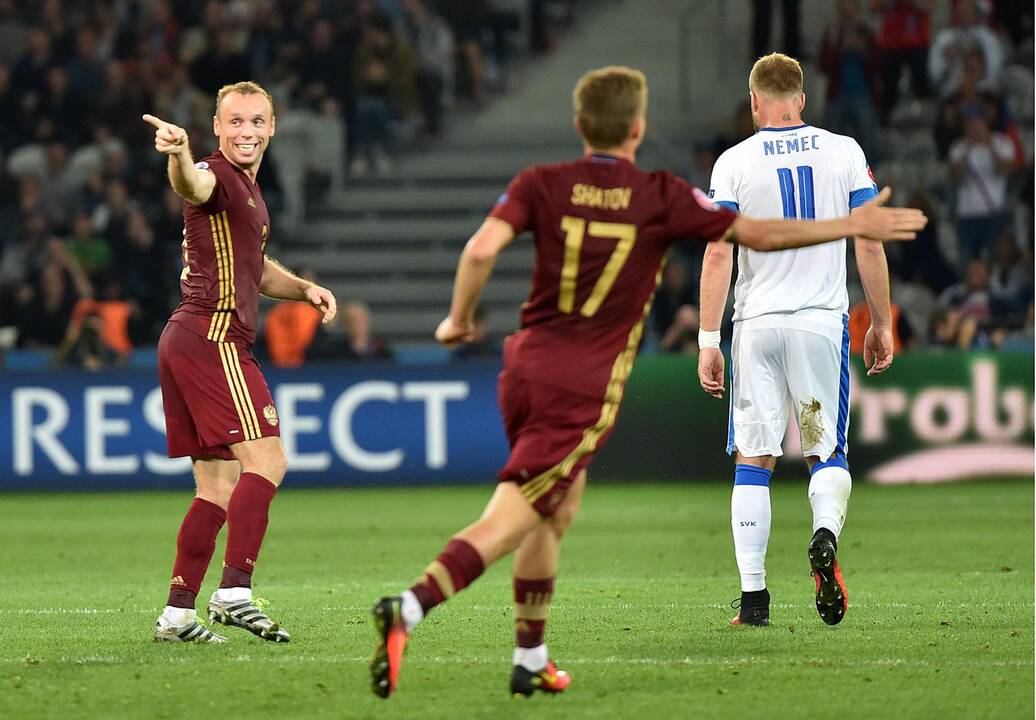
column 843, row 391
column 751, row 475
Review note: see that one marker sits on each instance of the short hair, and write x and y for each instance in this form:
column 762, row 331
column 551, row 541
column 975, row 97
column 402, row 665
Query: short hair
column 776, row 75
column 606, row 102
column 246, row 87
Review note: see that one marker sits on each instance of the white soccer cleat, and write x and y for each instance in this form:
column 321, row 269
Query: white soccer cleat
column 193, row 631
column 247, row 614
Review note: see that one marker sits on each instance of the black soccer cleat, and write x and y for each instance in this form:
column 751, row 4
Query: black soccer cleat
column 753, row 608
column 549, row 680
column 388, row 655
column 832, row 599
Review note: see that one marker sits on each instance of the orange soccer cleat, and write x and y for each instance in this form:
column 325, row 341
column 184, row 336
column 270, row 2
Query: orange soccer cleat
column 388, row 656
column 549, row 680
column 832, row 599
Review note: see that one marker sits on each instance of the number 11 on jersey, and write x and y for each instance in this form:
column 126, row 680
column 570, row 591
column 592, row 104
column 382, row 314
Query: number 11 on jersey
column 807, row 210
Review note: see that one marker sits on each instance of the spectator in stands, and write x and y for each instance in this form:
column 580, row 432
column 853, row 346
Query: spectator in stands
column 904, row 40
column 1010, row 278
column 146, row 276
column 290, row 329
column 469, row 20
column 357, row 343
column 383, row 73
column 43, row 306
column 970, row 306
column 221, row 63
column 968, row 29
column 13, row 35
column 86, row 71
column 504, row 18
column 974, row 91
column 850, row 59
column 89, row 250
column 676, row 310
column 112, row 218
column 59, row 184
column 923, row 261
column 30, row 71
column 433, row 53
column 324, row 67
column 482, row 344
column 762, row 20
column 903, row 336
column 59, row 102
column 9, row 116
column 981, row 162
column 98, row 331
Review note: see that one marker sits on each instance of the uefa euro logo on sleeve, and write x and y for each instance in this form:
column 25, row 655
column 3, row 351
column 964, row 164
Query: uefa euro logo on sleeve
column 704, row 200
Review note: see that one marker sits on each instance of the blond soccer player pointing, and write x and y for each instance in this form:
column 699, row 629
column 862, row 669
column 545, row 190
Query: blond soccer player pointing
column 791, row 341
column 218, row 408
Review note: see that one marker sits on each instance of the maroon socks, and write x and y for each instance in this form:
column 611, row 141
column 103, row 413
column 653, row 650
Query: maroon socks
column 194, row 547
column 247, row 516
column 531, row 608
column 455, row 568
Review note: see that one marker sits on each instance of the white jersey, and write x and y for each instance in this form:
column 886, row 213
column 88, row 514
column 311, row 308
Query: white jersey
column 800, row 172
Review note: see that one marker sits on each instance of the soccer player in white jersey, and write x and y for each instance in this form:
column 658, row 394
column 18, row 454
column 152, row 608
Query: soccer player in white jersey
column 790, row 345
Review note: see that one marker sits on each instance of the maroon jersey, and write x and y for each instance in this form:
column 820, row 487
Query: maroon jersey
column 602, row 228
column 223, row 256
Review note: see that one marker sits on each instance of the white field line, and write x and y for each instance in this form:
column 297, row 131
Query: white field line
column 558, row 606
column 416, row 659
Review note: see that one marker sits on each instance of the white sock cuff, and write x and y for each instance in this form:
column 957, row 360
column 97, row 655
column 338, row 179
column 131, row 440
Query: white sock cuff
column 410, row 609
column 532, row 659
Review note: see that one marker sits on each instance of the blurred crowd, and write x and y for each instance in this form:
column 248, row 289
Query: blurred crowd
column 86, row 263
column 945, row 115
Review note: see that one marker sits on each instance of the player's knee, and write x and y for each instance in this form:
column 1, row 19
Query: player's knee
column 562, row 519
column 275, row 465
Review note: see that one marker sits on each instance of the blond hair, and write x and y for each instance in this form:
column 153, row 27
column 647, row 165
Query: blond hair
column 606, row 102
column 246, row 87
column 777, row 76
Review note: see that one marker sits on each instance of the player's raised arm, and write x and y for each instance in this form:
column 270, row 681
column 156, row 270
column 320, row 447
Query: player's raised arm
column 473, row 271
column 870, row 221
column 193, row 185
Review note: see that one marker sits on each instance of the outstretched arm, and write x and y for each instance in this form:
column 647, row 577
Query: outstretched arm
column 473, row 271
column 193, row 185
column 279, row 283
column 870, row 221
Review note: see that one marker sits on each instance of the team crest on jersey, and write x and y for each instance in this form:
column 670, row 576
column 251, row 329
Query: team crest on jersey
column 704, row 200
column 270, row 413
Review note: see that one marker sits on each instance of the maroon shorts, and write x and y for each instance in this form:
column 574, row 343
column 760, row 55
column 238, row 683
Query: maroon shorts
column 213, row 393
column 554, row 434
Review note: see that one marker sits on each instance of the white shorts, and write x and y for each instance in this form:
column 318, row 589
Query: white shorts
column 773, row 368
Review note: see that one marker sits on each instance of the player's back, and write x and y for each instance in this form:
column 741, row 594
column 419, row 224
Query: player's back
column 801, row 172
column 601, row 229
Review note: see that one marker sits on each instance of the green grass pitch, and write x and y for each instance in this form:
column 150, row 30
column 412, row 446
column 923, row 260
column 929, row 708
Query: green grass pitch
column 940, row 623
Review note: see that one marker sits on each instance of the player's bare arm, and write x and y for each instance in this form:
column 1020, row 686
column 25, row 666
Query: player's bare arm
column 280, row 283
column 473, row 271
column 874, row 276
column 716, row 269
column 193, row 185
column 870, row 221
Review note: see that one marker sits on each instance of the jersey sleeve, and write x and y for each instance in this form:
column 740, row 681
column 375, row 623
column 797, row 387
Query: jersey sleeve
column 721, row 188
column 220, row 198
column 515, row 206
column 863, row 186
column 693, row 215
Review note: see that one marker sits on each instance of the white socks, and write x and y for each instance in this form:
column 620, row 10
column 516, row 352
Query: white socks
column 177, row 616
column 410, row 610
column 829, row 490
column 750, row 521
column 234, row 594
column 532, row 659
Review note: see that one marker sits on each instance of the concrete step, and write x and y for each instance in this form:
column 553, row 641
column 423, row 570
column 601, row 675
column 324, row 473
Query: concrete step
column 403, row 263
column 412, row 292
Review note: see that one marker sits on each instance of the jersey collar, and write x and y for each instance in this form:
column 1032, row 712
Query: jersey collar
column 783, row 129
column 605, row 159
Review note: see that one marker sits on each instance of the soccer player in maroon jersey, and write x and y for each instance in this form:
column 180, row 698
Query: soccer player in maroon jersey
column 218, row 409
column 601, row 229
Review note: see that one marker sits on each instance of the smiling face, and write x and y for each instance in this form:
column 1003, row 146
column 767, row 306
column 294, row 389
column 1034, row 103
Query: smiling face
column 244, row 124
